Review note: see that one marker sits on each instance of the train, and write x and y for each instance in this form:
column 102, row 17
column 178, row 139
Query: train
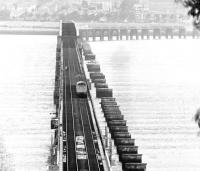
column 81, row 89
column 69, row 29
column 81, row 153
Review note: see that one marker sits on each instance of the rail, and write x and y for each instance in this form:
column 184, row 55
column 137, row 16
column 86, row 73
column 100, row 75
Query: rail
column 71, row 148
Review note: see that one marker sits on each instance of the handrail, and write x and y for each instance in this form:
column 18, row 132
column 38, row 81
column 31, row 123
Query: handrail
column 61, row 113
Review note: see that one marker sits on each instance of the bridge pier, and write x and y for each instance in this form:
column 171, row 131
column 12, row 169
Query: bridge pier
column 96, row 33
column 105, row 33
column 109, row 35
column 94, row 38
column 87, row 37
column 91, row 35
column 125, row 145
column 134, row 32
column 101, row 37
column 123, row 32
column 182, row 33
column 144, row 32
column 169, row 33
column 156, row 33
column 195, row 34
column 114, row 33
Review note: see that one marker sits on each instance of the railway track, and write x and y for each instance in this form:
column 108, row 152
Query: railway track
column 76, row 115
column 84, row 112
column 93, row 161
column 71, row 161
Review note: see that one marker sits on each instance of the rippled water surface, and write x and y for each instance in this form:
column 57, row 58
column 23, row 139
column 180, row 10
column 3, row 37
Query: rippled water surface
column 157, row 86
column 26, row 88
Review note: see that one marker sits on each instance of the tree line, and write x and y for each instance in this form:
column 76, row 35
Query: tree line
column 193, row 10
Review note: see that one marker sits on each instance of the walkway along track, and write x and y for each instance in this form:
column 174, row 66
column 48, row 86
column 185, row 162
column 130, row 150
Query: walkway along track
column 76, row 119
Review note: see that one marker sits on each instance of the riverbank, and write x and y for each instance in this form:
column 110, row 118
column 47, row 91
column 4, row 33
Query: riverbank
column 29, row 28
column 52, row 28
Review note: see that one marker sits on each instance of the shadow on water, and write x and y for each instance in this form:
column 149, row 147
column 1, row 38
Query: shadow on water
column 51, row 161
column 6, row 162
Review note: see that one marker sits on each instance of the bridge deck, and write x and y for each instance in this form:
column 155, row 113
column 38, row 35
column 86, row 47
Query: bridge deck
column 76, row 114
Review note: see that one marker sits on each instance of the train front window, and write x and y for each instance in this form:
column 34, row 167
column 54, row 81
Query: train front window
column 81, row 84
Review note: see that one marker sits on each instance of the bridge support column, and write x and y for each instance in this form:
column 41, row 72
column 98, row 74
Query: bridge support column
column 182, row 36
column 124, row 33
column 120, row 35
column 169, row 33
column 109, row 35
column 195, row 34
column 137, row 36
column 158, row 36
column 101, row 36
column 83, row 34
column 117, row 36
column 127, row 35
column 94, row 38
column 131, row 37
column 148, row 36
column 182, row 33
column 142, row 36
column 114, row 33
column 144, row 32
column 133, row 32
column 156, row 33
column 87, row 36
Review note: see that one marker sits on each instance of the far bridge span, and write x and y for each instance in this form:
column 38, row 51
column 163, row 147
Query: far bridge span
column 131, row 31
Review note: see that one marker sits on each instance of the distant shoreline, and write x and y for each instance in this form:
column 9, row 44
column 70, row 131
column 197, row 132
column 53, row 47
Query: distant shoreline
column 29, row 24
column 28, row 32
column 52, row 28
column 29, row 28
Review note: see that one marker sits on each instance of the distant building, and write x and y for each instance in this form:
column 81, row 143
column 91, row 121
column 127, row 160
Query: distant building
column 164, row 6
column 107, row 5
column 116, row 3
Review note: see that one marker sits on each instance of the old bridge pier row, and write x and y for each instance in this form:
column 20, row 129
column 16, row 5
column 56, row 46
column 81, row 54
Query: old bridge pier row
column 91, row 34
column 77, row 140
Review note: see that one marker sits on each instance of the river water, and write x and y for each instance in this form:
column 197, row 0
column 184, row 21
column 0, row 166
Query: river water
column 27, row 65
column 156, row 84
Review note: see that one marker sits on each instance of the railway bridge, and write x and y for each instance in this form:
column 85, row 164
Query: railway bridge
column 77, row 140
column 76, row 144
column 130, row 31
